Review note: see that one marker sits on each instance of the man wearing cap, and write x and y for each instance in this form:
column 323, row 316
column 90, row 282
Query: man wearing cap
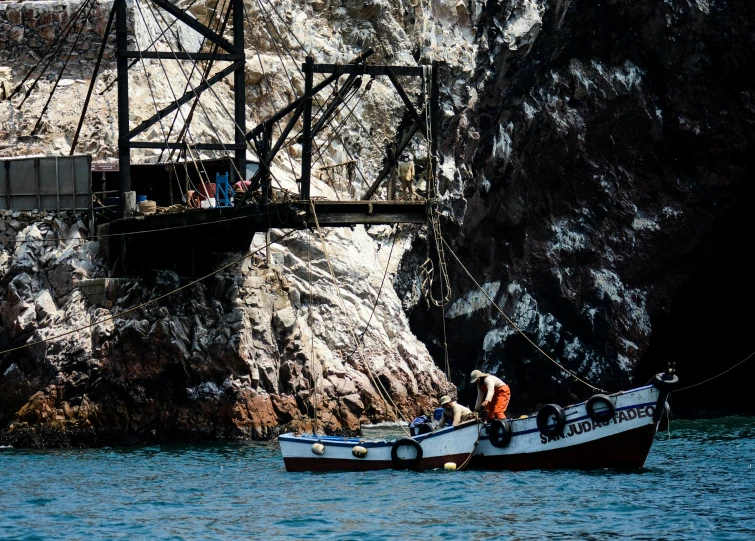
column 406, row 175
column 493, row 395
column 456, row 413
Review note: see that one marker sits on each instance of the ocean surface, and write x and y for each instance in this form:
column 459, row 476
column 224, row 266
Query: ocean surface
column 698, row 483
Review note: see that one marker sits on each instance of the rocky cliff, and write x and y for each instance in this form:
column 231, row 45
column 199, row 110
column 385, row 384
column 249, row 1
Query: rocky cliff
column 238, row 355
column 599, row 159
column 254, row 348
column 593, row 157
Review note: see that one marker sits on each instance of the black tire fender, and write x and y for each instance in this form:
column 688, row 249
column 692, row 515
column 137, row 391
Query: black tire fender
column 500, row 433
column 544, row 415
column 665, row 383
column 401, row 464
column 604, row 415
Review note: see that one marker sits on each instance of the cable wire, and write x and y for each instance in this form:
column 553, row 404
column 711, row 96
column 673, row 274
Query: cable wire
column 717, row 376
column 520, row 331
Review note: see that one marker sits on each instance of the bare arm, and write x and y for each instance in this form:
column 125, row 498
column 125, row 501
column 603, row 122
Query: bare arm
column 480, row 397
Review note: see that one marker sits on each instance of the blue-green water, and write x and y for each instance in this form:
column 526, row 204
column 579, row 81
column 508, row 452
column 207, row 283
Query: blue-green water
column 699, row 484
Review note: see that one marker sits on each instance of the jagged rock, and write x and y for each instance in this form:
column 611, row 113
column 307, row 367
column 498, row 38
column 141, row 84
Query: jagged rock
column 285, row 320
column 45, row 308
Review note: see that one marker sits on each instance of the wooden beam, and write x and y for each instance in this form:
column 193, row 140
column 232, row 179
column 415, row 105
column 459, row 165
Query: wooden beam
column 414, row 71
column 191, row 22
column 180, row 101
column 407, row 101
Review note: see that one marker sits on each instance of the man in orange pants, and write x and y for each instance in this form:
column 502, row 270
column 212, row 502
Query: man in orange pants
column 493, row 395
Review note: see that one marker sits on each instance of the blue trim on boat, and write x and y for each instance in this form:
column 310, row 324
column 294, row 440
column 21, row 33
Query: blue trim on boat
column 572, row 421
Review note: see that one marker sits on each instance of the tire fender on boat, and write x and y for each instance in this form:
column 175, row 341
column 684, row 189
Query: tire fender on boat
column 500, row 433
column 401, row 464
column 544, row 415
column 604, row 415
column 665, row 382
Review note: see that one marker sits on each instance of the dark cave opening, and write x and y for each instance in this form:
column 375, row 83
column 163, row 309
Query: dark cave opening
column 709, row 326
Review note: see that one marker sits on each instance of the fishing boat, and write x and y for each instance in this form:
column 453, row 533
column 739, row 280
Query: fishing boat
column 312, row 452
column 606, row 431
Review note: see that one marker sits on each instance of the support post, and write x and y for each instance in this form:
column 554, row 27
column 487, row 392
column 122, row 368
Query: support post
column 306, row 143
column 239, row 90
column 124, row 151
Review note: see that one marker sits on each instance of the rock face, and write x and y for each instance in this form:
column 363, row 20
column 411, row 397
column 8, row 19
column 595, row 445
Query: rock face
column 591, row 154
column 237, row 356
column 601, row 149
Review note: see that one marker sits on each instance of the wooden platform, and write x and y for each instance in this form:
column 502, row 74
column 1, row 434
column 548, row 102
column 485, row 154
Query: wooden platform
column 183, row 241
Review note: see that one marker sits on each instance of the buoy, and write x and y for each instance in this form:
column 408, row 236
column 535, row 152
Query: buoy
column 359, row 451
column 318, row 448
column 450, row 466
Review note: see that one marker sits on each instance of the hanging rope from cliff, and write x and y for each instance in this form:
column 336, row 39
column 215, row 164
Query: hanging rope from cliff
column 520, row 331
column 62, row 71
column 377, row 297
column 59, row 41
column 311, row 323
column 382, row 392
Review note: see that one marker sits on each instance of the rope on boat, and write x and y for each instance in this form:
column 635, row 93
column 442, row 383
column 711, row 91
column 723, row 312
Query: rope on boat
column 147, row 303
column 520, row 331
column 476, row 443
column 392, row 407
column 717, row 376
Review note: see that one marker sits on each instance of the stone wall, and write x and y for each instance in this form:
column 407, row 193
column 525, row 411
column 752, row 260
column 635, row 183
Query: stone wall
column 29, row 29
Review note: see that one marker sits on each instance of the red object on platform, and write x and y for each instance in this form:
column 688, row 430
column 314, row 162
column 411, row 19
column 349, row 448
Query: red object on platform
column 206, row 190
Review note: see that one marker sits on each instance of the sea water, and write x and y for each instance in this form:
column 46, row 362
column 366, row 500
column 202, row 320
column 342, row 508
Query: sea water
column 698, row 483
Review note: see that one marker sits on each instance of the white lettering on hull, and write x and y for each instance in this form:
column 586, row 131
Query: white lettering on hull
column 583, row 427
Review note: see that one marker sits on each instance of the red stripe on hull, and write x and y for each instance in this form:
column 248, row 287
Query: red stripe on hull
column 625, row 450
column 300, row 464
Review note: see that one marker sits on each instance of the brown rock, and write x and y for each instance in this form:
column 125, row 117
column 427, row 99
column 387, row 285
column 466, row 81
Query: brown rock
column 13, row 15
column 285, row 408
column 17, row 34
column 37, row 409
column 47, row 33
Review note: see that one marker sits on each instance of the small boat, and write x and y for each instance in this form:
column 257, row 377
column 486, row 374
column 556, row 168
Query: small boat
column 606, row 431
column 311, row 452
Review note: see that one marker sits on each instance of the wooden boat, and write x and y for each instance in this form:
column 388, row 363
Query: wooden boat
column 607, row 431
column 311, row 452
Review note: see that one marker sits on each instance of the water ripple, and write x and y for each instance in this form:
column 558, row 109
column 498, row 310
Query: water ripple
column 699, row 483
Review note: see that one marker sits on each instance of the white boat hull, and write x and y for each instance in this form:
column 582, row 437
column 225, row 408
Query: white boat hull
column 622, row 442
column 451, row 444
